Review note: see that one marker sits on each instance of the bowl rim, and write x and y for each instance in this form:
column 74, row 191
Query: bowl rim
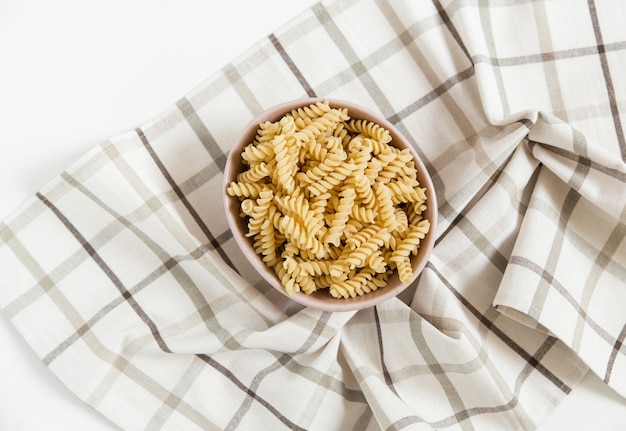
column 322, row 300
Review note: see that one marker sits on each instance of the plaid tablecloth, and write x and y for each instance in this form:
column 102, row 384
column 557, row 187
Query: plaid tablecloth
column 123, row 276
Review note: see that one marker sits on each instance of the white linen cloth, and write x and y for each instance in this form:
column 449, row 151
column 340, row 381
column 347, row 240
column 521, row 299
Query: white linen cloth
column 123, row 276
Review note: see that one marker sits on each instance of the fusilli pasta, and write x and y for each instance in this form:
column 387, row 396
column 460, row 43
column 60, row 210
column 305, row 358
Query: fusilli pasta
column 330, row 203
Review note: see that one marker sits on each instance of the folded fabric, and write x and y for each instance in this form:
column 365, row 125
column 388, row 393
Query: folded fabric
column 123, row 276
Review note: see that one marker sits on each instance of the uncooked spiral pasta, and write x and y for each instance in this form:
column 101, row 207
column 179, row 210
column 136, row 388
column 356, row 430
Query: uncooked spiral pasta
column 263, row 152
column 256, row 173
column 358, row 257
column 360, row 237
column 312, row 111
column 265, row 243
column 266, row 131
column 407, row 246
column 298, row 207
column 315, row 267
column 364, row 190
column 320, row 125
column 403, row 191
column 334, row 179
column 362, row 214
column 286, row 163
column 370, row 129
column 245, row 190
column 321, row 170
column 385, row 206
column 258, row 213
column 330, row 203
column 338, row 223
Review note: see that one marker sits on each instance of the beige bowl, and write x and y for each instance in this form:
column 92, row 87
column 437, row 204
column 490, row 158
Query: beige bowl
column 322, row 299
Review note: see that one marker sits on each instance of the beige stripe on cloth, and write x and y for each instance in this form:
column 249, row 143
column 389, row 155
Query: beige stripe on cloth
column 123, row 276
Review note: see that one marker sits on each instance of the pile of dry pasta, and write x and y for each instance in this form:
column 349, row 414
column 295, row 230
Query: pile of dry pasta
column 329, row 203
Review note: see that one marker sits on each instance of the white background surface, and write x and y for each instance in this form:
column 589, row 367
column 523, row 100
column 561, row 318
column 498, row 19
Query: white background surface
column 75, row 73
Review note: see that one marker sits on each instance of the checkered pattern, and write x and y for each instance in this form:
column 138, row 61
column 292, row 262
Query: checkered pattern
column 124, row 278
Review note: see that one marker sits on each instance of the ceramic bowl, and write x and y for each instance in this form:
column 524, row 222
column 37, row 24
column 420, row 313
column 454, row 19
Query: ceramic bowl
column 322, row 299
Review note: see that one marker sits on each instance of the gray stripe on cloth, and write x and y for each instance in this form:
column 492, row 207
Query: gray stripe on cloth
column 408, row 37
column 583, row 246
column 184, row 200
column 252, row 394
column 277, row 364
column 499, row 333
column 433, row 95
column 122, row 366
column 44, row 280
column 173, row 402
column 562, row 290
column 600, row 267
column 480, row 241
column 618, row 347
column 582, row 160
column 449, row 210
column 381, row 349
column 550, row 69
column 608, row 79
column 89, row 249
column 252, row 389
column 358, row 68
column 292, row 67
column 170, row 264
column 242, row 89
column 547, row 56
column 566, row 210
column 202, row 132
column 445, row 18
column 461, row 416
column 452, row 394
column 485, row 18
